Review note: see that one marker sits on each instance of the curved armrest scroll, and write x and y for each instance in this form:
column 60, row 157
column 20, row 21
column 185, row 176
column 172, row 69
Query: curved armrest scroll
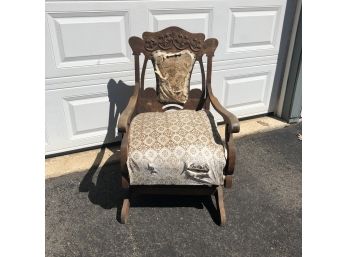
column 229, row 118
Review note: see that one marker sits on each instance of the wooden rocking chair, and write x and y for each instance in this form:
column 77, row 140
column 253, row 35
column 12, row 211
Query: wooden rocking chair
column 166, row 151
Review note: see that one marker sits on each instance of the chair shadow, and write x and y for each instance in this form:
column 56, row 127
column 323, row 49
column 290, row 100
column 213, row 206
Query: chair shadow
column 170, row 201
column 103, row 183
column 106, row 190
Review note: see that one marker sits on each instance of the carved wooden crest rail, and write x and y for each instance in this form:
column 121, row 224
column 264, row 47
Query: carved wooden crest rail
column 173, row 37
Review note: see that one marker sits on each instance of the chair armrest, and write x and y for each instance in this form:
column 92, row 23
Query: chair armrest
column 127, row 113
column 229, row 118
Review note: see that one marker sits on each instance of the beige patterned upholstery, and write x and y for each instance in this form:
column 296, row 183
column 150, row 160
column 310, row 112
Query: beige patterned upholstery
column 175, row 147
column 173, row 70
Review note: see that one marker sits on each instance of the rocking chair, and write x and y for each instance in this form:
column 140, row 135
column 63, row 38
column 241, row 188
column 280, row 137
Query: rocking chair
column 170, row 142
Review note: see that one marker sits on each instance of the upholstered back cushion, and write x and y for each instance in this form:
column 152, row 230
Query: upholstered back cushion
column 173, row 70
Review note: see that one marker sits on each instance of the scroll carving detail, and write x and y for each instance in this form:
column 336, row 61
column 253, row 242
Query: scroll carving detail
column 174, row 38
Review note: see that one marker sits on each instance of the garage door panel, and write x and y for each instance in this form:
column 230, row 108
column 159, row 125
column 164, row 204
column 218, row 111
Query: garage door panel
column 253, row 29
column 260, row 21
column 244, row 90
column 194, row 20
column 239, row 91
column 89, row 38
column 82, row 41
column 83, row 116
column 78, row 111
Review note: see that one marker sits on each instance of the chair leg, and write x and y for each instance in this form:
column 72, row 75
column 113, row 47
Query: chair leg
column 125, row 211
column 219, row 196
column 126, row 203
column 228, row 181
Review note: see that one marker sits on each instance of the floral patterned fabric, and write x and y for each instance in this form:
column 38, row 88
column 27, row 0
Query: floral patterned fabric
column 173, row 70
column 175, row 147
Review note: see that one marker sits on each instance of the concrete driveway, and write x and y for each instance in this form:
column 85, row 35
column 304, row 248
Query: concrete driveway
column 263, row 210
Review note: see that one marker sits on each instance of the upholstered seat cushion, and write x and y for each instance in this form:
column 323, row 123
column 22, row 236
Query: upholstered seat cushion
column 175, row 148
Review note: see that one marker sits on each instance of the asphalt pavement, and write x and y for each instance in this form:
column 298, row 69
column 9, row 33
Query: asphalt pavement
column 263, row 210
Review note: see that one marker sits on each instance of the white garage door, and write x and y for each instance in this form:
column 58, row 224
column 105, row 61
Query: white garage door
column 89, row 65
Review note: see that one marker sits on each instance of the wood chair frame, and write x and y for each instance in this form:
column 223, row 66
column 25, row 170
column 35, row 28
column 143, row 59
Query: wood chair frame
column 175, row 39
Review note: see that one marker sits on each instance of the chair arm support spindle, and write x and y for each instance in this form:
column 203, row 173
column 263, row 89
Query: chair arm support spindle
column 126, row 115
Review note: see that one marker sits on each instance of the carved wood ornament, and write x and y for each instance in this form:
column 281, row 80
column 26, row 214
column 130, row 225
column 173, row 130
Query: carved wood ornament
column 173, row 37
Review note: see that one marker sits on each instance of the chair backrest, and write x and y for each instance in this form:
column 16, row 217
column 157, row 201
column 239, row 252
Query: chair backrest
column 173, row 53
